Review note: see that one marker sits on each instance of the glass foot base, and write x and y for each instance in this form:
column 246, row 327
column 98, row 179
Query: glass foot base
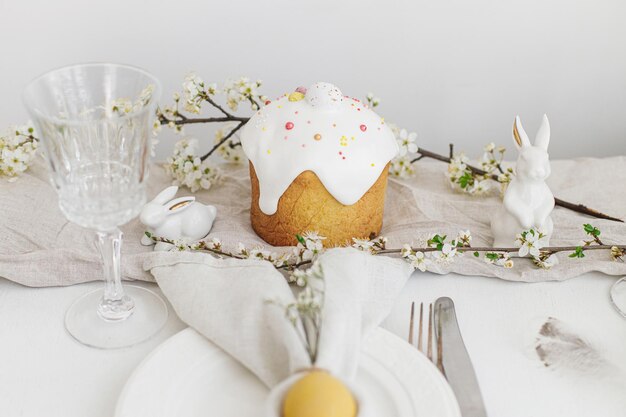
column 618, row 296
column 84, row 323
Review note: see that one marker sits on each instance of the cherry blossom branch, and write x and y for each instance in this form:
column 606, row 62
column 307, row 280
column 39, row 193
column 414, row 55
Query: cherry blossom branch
column 183, row 120
column 547, row 249
column 304, row 256
column 221, row 142
column 212, row 247
column 579, row 208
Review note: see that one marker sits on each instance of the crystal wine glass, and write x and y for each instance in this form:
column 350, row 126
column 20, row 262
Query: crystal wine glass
column 95, row 123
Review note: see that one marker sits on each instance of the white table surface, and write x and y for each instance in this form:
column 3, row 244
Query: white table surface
column 44, row 372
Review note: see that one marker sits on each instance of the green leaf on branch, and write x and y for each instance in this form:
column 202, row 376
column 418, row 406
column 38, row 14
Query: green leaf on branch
column 492, row 256
column 466, row 179
column 301, row 240
column 437, row 241
column 590, row 230
column 578, row 253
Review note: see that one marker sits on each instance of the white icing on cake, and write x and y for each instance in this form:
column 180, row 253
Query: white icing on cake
column 340, row 139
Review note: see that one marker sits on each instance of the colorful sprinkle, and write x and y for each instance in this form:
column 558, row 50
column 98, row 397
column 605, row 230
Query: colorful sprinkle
column 267, row 102
column 334, row 124
column 363, row 128
column 308, row 122
column 303, row 145
column 343, row 157
column 317, row 136
column 288, row 125
column 296, row 96
column 269, row 151
column 301, row 90
column 372, row 165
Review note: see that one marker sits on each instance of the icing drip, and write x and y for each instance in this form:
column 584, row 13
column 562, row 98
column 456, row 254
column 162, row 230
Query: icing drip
column 342, row 141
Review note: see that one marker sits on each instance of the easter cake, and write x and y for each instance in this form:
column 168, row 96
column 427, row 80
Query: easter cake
column 318, row 161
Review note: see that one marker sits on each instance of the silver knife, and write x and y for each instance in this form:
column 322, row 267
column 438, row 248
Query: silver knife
column 457, row 366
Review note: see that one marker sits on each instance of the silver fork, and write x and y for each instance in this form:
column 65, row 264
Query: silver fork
column 438, row 340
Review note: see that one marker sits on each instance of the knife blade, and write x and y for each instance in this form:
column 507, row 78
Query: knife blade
column 457, row 365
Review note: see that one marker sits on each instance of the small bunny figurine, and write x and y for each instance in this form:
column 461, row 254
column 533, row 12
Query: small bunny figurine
column 180, row 219
column 528, row 201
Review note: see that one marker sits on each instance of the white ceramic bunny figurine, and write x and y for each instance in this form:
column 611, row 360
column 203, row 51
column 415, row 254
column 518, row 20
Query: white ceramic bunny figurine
column 528, row 201
column 180, row 219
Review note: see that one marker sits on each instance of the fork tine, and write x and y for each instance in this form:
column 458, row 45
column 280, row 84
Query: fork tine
column 419, row 329
column 429, row 348
column 439, row 343
column 411, row 323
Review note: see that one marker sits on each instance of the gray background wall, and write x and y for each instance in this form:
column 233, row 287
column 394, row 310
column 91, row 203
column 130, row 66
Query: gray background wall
column 451, row 70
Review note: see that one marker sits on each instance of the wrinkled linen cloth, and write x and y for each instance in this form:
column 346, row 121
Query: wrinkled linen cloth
column 39, row 247
column 207, row 293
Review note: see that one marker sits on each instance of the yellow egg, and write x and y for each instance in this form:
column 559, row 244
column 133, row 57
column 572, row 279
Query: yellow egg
column 319, row 394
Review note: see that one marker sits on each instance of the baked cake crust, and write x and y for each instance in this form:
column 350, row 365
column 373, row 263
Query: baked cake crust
column 307, row 206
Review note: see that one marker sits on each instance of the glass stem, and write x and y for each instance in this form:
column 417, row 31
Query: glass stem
column 114, row 304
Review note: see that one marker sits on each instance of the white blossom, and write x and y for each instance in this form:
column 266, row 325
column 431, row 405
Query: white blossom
column 123, row 105
column 464, row 238
column 187, row 169
column 417, row 260
column 545, row 261
column 18, row 147
column 309, row 246
column 531, row 242
column 362, row 244
column 243, row 90
column 462, row 178
column 401, row 167
column 406, row 142
column 307, row 307
column 446, row 253
column 616, row 253
column 230, row 150
column 406, row 250
column 504, row 178
column 372, row 101
column 499, row 258
column 457, row 167
column 242, row 251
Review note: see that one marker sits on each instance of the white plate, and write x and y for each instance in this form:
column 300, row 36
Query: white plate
column 189, row 376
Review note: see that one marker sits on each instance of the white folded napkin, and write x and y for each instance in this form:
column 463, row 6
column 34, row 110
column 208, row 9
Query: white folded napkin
column 226, row 301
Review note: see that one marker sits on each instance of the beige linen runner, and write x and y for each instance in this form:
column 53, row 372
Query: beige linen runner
column 38, row 247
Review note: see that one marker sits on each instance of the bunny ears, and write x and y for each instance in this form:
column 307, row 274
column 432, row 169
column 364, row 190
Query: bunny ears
column 166, row 195
column 541, row 140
